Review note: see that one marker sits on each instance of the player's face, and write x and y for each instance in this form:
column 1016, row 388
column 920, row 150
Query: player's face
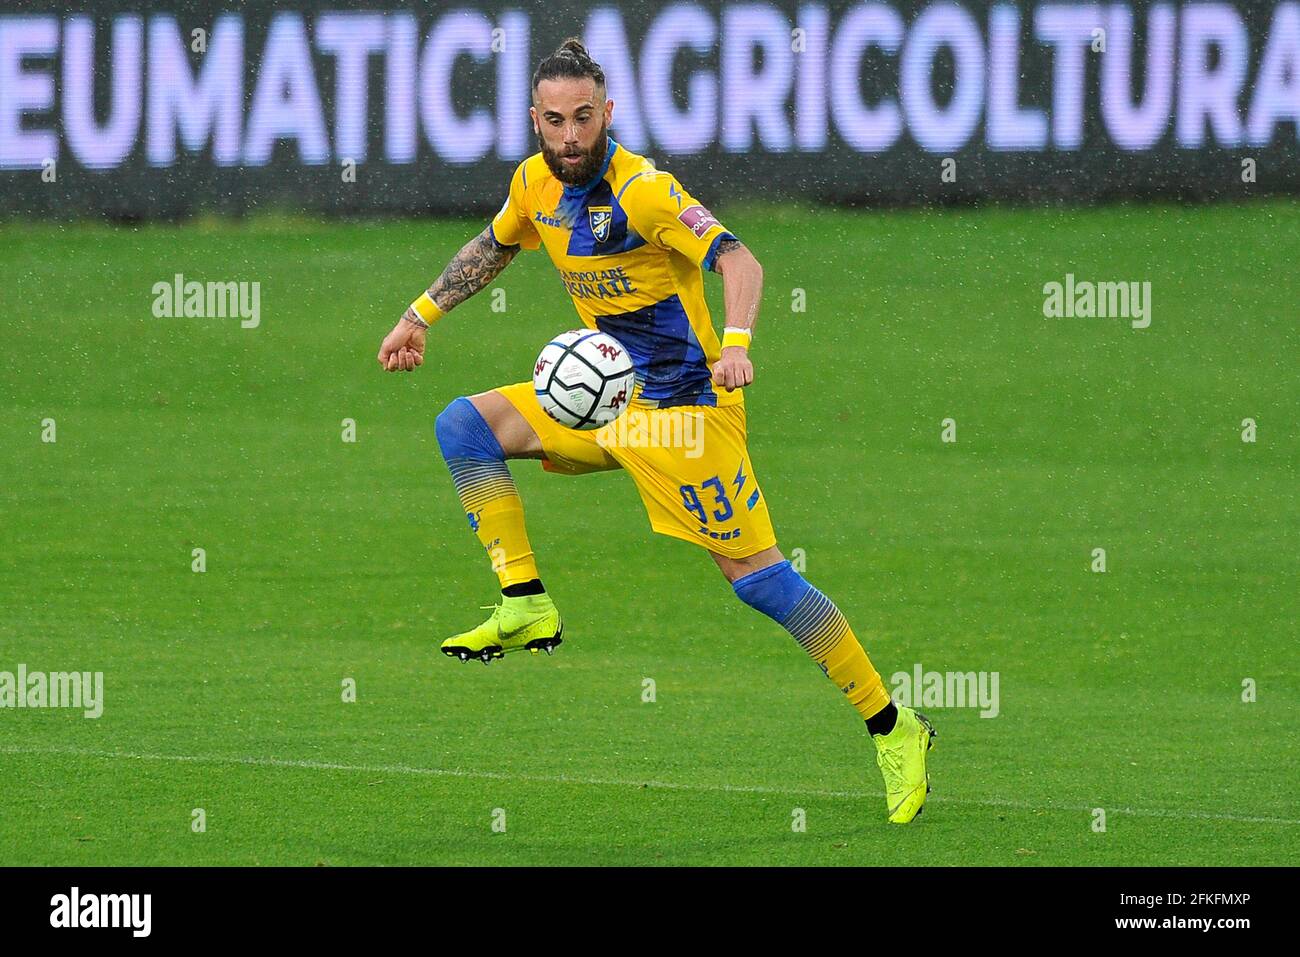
column 571, row 118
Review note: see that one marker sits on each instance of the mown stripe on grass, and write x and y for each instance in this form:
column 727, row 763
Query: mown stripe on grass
column 291, row 763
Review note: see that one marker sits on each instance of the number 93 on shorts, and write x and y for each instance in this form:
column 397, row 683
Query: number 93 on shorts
column 703, row 491
column 690, row 465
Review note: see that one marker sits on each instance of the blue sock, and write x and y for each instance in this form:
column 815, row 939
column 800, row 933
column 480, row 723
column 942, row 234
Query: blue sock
column 463, row 433
column 474, row 456
column 786, row 597
column 488, row 494
column 782, row 594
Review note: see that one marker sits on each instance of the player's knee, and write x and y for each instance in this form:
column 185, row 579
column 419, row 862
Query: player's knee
column 448, row 422
column 773, row 590
column 463, row 433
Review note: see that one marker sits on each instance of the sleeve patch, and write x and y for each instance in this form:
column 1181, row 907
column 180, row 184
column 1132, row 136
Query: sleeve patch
column 698, row 220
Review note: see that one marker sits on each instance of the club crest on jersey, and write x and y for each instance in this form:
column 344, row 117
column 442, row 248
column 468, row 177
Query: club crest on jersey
column 600, row 217
column 697, row 219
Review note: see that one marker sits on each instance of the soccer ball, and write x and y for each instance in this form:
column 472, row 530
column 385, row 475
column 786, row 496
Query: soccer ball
column 583, row 379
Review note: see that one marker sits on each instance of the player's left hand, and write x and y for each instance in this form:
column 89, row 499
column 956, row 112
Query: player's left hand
column 734, row 370
column 403, row 348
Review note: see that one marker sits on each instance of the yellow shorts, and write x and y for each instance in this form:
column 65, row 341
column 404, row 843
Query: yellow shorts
column 690, row 465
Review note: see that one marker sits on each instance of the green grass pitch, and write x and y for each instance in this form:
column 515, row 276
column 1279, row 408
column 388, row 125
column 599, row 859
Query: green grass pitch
column 329, row 560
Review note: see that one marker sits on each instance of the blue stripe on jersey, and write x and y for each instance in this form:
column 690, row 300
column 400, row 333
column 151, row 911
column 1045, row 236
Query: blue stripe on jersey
column 669, row 360
column 629, row 182
column 620, row 238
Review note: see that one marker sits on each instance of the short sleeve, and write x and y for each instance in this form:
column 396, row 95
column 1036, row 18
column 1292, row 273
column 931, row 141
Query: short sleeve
column 667, row 216
column 513, row 225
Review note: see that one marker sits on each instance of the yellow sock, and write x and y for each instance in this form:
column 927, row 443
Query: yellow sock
column 486, row 490
column 496, row 514
column 499, row 525
column 781, row 593
column 846, row 663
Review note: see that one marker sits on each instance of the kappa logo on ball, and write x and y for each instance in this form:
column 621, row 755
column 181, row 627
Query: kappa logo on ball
column 589, row 377
column 697, row 219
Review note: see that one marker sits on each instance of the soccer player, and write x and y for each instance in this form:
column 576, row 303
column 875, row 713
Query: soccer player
column 631, row 245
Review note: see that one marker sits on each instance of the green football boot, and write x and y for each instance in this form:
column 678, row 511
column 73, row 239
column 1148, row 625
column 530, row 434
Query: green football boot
column 530, row 621
column 901, row 755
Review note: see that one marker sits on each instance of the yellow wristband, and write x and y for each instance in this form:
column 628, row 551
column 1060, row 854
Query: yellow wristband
column 736, row 337
column 427, row 309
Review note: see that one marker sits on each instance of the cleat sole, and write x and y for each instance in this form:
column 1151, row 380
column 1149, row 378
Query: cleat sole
column 481, row 654
column 547, row 645
column 493, row 652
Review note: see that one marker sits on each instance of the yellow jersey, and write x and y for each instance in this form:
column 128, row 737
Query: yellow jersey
column 631, row 246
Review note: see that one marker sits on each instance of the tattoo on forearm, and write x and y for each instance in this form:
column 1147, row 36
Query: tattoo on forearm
column 470, row 270
column 724, row 246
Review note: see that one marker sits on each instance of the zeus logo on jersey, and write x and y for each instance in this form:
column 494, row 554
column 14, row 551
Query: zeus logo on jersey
column 697, row 219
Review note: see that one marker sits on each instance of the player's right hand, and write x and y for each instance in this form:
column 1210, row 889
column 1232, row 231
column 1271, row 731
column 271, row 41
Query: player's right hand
column 403, row 348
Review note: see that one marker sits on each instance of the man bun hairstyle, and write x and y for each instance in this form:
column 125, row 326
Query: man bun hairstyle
column 570, row 61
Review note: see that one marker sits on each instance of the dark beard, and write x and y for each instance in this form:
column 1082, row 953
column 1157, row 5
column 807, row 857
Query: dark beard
column 584, row 171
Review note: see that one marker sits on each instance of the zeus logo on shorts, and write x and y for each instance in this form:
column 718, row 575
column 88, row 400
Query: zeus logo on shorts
column 697, row 219
column 726, row 536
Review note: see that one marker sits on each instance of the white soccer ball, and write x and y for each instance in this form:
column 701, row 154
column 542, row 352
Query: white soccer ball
column 583, row 379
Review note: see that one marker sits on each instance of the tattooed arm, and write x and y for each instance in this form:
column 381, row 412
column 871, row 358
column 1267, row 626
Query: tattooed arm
column 479, row 262
column 724, row 246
